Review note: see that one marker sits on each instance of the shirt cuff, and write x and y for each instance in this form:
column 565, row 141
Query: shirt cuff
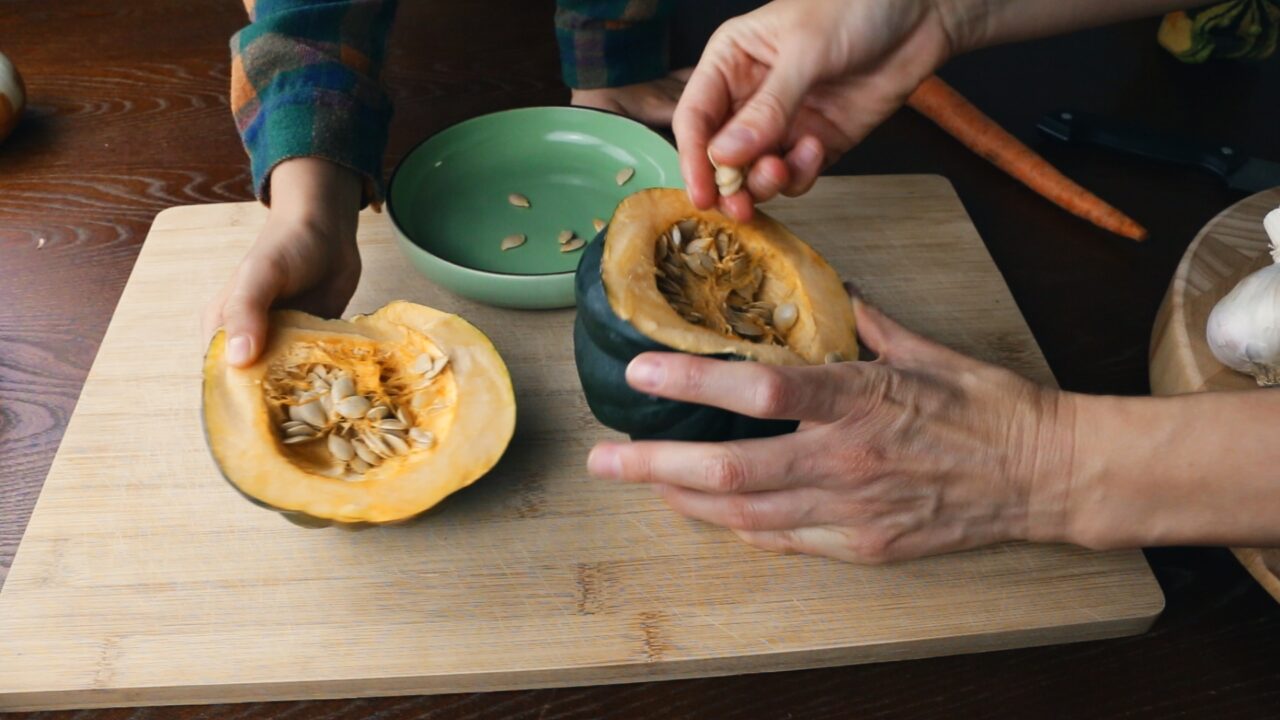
column 317, row 122
column 613, row 54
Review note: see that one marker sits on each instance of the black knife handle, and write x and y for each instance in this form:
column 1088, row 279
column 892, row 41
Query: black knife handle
column 1080, row 128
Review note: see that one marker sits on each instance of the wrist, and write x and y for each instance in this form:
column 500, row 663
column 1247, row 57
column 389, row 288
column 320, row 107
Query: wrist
column 1051, row 469
column 965, row 23
column 316, row 192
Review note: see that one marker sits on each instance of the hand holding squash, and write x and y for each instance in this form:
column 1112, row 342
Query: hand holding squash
column 787, row 89
column 922, row 451
column 305, row 258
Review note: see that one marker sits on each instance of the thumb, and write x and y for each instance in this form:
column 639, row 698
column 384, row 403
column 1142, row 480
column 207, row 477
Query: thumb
column 894, row 343
column 244, row 314
column 763, row 123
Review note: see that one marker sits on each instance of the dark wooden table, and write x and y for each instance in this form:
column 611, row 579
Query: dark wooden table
column 129, row 116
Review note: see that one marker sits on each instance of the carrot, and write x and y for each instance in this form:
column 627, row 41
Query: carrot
column 940, row 103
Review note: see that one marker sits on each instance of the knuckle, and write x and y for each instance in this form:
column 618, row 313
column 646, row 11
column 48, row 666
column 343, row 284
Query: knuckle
column 768, row 108
column 871, row 547
column 726, row 473
column 773, row 394
column 745, row 514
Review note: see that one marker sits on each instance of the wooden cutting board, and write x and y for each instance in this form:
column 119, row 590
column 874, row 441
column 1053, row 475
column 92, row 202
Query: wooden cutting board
column 144, row 579
column 1230, row 247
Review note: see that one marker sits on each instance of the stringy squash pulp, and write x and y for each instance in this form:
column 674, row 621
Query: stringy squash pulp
column 372, row 420
column 701, row 283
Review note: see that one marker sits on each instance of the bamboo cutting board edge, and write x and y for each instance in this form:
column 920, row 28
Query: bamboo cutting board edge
column 577, row 677
column 111, row 584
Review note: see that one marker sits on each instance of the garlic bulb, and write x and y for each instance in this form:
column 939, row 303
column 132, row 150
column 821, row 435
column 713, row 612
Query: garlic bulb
column 1244, row 327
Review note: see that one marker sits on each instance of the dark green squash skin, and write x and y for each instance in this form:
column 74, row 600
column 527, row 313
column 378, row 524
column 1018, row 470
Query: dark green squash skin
column 603, row 345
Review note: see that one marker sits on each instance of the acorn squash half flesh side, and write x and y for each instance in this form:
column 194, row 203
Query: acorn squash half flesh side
column 368, row 421
column 666, row 276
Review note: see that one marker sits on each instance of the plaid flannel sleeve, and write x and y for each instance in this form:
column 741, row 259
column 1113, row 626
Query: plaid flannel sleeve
column 305, row 83
column 607, row 43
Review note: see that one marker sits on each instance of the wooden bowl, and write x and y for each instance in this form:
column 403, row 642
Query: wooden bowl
column 1230, row 247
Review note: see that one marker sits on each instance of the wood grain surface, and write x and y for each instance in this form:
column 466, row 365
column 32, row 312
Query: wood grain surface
column 144, row 579
column 94, row 160
column 1230, row 247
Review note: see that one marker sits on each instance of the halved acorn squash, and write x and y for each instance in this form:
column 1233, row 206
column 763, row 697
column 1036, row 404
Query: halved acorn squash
column 664, row 276
column 372, row 420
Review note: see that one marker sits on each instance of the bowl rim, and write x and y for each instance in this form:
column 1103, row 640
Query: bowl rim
column 406, row 238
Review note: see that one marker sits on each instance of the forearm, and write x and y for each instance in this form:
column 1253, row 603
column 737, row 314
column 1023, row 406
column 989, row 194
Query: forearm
column 312, row 189
column 1198, row 469
column 974, row 24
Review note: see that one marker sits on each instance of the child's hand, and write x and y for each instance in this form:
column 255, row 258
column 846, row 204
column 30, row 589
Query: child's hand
column 304, row 258
column 787, row 89
column 652, row 103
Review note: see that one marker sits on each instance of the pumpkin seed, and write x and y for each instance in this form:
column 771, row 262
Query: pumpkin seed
column 423, row 363
column 784, row 318
column 598, row 224
column 437, row 367
column 364, row 453
column 624, row 175
column 745, row 329
column 375, row 443
column 424, row 438
column 343, row 388
column 722, row 243
column 291, row 424
column 699, row 245
column 353, row 407
column 574, row 244
column 378, row 412
column 402, row 416
column 511, row 242
column 677, row 237
column 397, row 445
column 359, row 466
column 728, row 180
column 340, row 447
column 392, row 425
column 564, row 236
column 518, row 200
column 311, row 413
column 688, row 227
column 304, row 431
column 299, row 439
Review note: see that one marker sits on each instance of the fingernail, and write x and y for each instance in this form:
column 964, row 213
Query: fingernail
column 238, row 350
column 733, row 141
column 603, row 462
column 645, row 374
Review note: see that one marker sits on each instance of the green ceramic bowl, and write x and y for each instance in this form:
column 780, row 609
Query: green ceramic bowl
column 448, row 198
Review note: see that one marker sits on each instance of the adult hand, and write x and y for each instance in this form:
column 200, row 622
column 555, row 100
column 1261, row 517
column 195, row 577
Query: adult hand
column 787, row 89
column 921, row 451
column 304, row 258
column 652, row 103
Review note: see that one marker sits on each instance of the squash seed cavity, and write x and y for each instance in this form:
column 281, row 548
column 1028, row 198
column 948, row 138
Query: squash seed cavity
column 710, row 280
column 327, row 416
